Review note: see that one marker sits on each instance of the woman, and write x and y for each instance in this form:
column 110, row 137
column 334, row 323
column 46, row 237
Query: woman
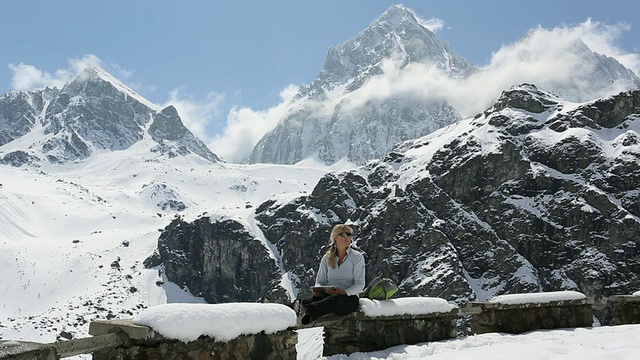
column 342, row 268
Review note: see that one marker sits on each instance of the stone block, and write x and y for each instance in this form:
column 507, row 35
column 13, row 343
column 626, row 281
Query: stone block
column 102, row 327
column 26, row 350
column 519, row 318
column 360, row 333
column 280, row 345
column 626, row 309
column 88, row 345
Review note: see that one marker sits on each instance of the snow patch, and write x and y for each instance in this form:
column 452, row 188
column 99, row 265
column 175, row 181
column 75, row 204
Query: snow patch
column 223, row 322
column 545, row 297
column 404, row 306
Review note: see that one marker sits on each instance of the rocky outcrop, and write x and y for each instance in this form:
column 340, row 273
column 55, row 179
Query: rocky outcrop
column 525, row 197
column 221, row 262
column 18, row 112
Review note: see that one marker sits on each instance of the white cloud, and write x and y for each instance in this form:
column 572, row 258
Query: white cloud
column 551, row 60
column 27, row 77
column 245, row 127
column 198, row 116
column 433, row 24
column 87, row 61
column 601, row 38
column 544, row 57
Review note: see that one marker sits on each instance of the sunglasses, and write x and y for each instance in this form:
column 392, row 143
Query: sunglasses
column 346, row 234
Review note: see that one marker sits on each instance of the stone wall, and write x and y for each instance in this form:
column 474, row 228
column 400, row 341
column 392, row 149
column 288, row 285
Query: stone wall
column 259, row 346
column 356, row 332
column 626, row 309
column 518, row 318
column 359, row 333
column 143, row 343
column 26, row 350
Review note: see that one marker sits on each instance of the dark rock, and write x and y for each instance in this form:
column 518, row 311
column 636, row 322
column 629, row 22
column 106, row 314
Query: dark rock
column 65, row 335
column 507, row 204
column 153, row 260
column 218, row 260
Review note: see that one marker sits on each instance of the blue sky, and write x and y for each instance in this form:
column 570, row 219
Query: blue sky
column 212, row 56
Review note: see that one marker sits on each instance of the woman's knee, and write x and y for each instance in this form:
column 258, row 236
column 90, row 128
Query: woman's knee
column 346, row 304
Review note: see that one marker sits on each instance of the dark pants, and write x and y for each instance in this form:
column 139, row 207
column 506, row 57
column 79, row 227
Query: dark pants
column 332, row 304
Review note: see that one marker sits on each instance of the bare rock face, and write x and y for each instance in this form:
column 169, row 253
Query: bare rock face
column 218, row 261
column 526, row 197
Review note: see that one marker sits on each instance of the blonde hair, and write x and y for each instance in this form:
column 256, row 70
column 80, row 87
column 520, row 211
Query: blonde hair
column 331, row 253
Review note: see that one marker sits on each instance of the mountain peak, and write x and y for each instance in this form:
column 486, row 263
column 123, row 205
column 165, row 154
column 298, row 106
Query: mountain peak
column 395, row 16
column 526, row 97
column 96, row 74
column 94, row 112
column 397, row 33
column 396, row 36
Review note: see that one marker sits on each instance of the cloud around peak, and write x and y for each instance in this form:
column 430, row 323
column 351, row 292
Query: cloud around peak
column 27, row 77
column 544, row 57
column 245, row 127
column 549, row 58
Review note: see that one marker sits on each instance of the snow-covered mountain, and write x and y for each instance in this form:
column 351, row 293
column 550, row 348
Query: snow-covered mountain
column 396, row 33
column 332, row 119
column 599, row 76
column 350, row 111
column 88, row 175
column 74, row 236
column 535, row 194
column 93, row 113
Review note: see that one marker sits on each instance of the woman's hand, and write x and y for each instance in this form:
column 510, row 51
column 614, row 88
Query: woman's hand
column 315, row 293
column 337, row 290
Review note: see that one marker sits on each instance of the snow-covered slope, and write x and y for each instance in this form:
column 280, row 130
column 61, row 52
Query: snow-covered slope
column 74, row 236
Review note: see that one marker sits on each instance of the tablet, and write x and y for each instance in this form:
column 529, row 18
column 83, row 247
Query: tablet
column 322, row 289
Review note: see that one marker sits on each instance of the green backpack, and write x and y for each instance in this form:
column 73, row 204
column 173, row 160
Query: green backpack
column 379, row 289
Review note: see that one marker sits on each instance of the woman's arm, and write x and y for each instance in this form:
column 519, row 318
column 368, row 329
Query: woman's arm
column 321, row 276
column 358, row 276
